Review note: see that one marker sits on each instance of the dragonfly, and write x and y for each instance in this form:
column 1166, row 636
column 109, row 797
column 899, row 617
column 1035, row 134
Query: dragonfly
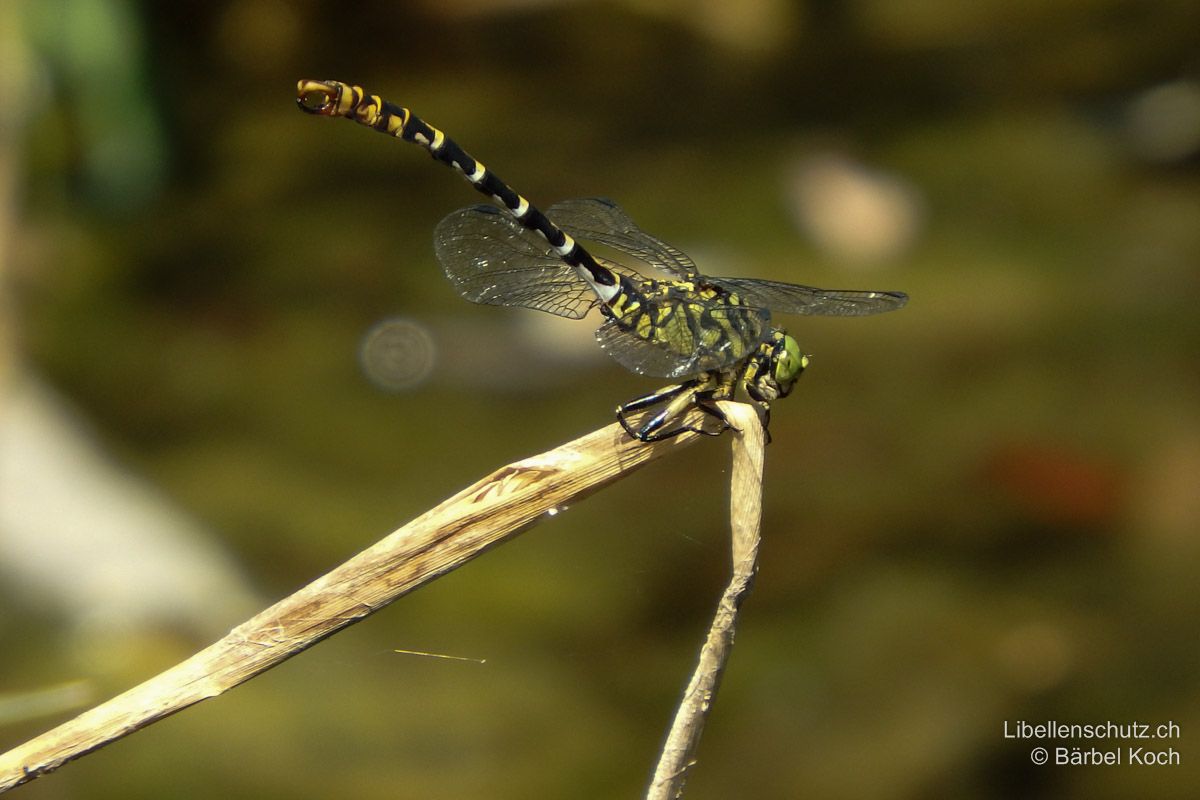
column 712, row 336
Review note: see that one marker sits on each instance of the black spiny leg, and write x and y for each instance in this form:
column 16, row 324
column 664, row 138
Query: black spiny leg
column 665, row 395
column 677, row 398
column 706, row 402
column 766, row 420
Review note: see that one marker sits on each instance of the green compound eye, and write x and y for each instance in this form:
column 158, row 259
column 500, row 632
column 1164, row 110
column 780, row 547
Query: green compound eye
column 789, row 363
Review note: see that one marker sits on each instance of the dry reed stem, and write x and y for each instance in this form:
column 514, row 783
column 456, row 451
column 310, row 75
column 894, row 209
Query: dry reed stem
column 745, row 514
column 484, row 515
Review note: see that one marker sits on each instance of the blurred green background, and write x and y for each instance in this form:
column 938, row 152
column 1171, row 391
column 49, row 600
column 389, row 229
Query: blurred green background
column 981, row 509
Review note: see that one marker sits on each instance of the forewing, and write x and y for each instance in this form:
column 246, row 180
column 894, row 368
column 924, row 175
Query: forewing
column 598, row 219
column 620, row 269
column 791, row 298
column 491, row 259
column 714, row 338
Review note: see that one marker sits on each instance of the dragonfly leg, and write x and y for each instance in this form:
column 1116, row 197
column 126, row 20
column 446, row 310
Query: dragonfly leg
column 697, row 392
column 676, row 397
column 720, row 387
column 708, row 404
column 766, row 419
column 656, row 397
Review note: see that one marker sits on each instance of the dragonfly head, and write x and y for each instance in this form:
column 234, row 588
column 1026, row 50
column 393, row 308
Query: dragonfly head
column 774, row 369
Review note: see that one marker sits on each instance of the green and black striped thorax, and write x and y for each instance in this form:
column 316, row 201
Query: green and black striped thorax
column 714, row 335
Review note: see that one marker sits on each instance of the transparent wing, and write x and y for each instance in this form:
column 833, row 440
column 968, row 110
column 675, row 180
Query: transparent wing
column 620, row 269
column 791, row 298
column 717, row 339
column 491, row 259
column 598, row 219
